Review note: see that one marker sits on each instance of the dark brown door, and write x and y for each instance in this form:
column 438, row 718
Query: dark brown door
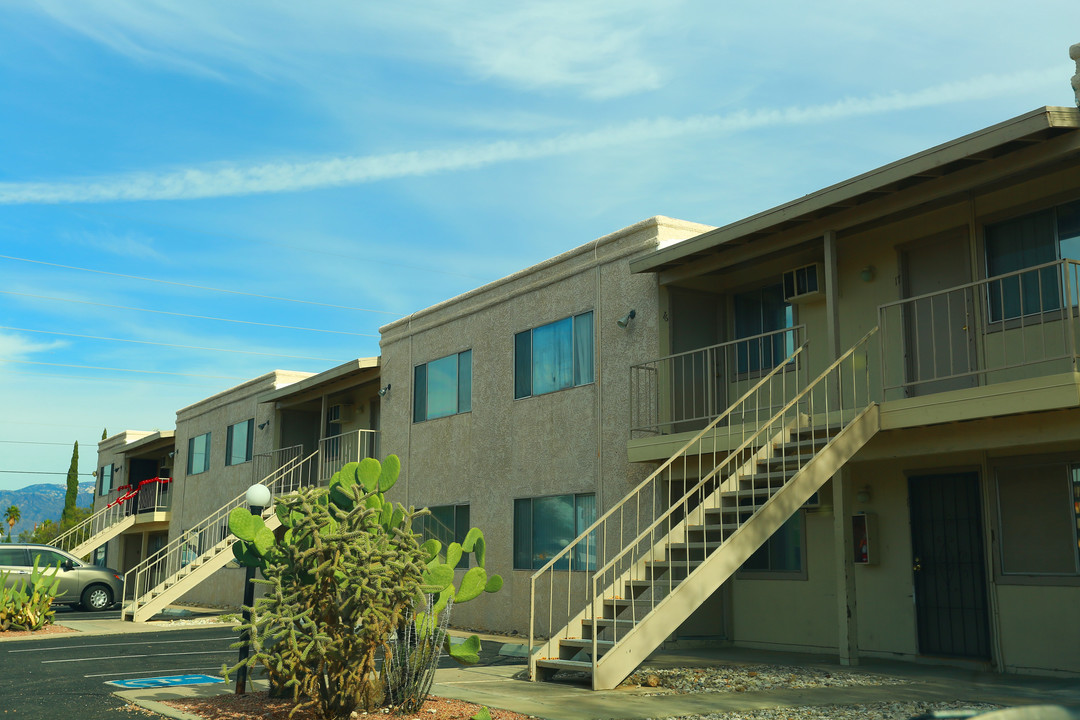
column 948, row 565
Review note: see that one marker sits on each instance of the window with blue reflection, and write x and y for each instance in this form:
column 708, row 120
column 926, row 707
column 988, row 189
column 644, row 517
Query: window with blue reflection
column 554, row 356
column 545, row 526
column 443, row 387
column 757, row 313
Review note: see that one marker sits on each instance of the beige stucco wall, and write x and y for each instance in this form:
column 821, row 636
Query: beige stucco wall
column 197, row 496
column 1040, row 628
column 569, row 441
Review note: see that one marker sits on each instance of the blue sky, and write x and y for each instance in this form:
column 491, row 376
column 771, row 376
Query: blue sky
column 381, row 157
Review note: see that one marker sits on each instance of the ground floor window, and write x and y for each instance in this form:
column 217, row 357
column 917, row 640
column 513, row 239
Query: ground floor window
column 101, row 556
column 783, row 554
column 1039, row 518
column 447, row 524
column 544, row 526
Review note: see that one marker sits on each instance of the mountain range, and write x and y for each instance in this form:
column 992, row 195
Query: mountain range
column 36, row 503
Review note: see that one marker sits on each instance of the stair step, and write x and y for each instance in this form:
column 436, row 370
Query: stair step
column 556, row 664
column 775, row 477
column 607, row 622
column 750, row 492
column 786, row 459
column 602, row 646
column 710, row 528
column 686, row 546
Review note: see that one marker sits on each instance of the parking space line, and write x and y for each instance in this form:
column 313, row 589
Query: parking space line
column 149, row 642
column 151, row 672
column 124, row 657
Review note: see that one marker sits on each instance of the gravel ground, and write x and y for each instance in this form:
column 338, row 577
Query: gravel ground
column 257, row 706
column 751, row 678
column 875, row 711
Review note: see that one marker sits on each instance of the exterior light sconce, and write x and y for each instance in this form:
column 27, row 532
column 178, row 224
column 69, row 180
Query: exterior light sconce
column 867, row 273
column 863, row 495
column 264, row 425
column 384, row 390
column 625, row 319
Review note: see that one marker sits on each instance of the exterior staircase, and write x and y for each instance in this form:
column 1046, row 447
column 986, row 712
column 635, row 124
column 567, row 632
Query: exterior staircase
column 189, row 560
column 116, row 517
column 665, row 548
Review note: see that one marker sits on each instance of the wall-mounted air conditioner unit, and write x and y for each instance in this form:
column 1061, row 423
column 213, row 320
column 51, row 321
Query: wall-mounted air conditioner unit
column 338, row 413
column 803, row 284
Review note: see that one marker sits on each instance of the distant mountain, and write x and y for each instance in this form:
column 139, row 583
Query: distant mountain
column 41, row 502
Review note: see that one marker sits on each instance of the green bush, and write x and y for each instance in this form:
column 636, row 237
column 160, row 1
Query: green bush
column 28, row 605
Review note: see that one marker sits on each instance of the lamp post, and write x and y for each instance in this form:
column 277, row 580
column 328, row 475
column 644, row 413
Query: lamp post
column 258, row 498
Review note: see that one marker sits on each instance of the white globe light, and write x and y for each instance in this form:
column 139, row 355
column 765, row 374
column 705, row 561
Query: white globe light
column 258, row 496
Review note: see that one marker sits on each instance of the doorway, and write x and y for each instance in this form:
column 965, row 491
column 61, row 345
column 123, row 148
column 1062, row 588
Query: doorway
column 948, row 565
column 939, row 337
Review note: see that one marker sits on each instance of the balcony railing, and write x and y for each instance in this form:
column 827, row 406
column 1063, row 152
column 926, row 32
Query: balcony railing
column 686, row 391
column 337, row 450
column 1018, row 325
column 267, row 462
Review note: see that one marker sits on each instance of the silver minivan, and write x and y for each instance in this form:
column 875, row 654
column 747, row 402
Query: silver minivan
column 93, row 587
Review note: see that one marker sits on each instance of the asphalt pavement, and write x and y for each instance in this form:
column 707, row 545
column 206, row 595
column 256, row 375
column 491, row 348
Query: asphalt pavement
column 64, row 676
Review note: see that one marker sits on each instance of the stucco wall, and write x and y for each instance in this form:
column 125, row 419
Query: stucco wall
column 569, row 441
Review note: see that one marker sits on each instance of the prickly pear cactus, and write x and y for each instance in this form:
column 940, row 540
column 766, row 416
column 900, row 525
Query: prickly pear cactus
column 341, row 574
column 28, row 605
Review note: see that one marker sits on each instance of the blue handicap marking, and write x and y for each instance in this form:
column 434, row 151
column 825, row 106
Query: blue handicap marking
column 167, row 681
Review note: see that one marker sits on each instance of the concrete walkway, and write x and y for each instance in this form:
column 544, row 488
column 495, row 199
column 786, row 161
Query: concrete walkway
column 504, row 686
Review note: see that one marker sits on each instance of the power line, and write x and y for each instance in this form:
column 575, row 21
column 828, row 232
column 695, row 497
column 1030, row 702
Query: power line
column 177, row 314
column 148, row 342
column 41, row 472
column 33, row 442
column 197, row 287
column 149, row 372
column 91, row 378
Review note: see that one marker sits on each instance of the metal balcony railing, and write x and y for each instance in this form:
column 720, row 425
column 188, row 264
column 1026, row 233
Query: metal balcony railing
column 337, row 450
column 687, row 390
column 151, row 495
column 266, row 463
column 1018, row 325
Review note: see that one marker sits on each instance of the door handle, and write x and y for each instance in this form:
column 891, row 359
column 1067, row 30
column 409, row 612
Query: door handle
column 917, row 566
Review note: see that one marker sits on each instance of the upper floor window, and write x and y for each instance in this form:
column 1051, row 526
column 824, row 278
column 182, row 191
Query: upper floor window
column 198, row 459
column 105, row 480
column 443, row 387
column 1026, row 241
column 757, row 313
column 239, row 440
column 554, row 356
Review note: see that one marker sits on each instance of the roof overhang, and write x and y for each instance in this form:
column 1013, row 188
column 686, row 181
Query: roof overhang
column 358, row 371
column 161, row 438
column 1015, row 146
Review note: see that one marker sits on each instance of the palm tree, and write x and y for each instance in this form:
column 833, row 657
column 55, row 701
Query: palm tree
column 12, row 516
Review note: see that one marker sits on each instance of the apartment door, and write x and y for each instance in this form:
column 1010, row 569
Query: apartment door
column 948, row 565
column 939, row 327
column 697, row 386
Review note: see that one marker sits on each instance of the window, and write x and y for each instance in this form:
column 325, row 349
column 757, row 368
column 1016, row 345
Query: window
column 443, row 387
column 544, row 526
column 13, row 557
column 554, row 356
column 1023, row 242
column 48, row 558
column 238, row 442
column 101, row 556
column 781, row 553
column 198, row 454
column 105, row 479
column 1039, row 518
column 758, row 312
column 447, row 524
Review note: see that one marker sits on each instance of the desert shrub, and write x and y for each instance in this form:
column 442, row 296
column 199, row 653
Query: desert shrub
column 28, row 605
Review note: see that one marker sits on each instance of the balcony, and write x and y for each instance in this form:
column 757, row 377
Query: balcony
column 149, row 500
column 337, row 450
column 999, row 346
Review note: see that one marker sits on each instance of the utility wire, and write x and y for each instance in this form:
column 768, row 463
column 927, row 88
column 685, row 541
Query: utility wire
column 149, row 372
column 41, row 472
column 185, row 347
column 197, row 287
column 33, row 442
column 177, row 314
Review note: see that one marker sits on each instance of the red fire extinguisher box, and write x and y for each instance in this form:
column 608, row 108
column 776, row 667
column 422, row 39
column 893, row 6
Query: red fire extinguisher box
column 864, row 538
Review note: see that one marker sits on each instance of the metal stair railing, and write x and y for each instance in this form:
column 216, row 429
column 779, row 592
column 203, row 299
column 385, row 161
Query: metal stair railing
column 206, row 539
column 338, row 450
column 625, row 521
column 819, row 412
column 150, row 494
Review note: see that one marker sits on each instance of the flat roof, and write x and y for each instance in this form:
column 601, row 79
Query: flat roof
column 929, row 165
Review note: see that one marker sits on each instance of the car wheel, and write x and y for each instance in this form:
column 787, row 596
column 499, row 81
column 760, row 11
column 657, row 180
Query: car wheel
column 96, row 597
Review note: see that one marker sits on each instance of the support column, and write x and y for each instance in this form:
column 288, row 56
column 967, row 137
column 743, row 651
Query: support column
column 832, row 298
column 846, row 609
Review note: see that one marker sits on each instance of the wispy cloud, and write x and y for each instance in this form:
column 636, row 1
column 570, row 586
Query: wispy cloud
column 225, row 180
column 125, row 245
column 19, row 347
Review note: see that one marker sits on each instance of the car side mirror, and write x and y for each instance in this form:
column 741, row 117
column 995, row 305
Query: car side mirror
column 67, row 565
